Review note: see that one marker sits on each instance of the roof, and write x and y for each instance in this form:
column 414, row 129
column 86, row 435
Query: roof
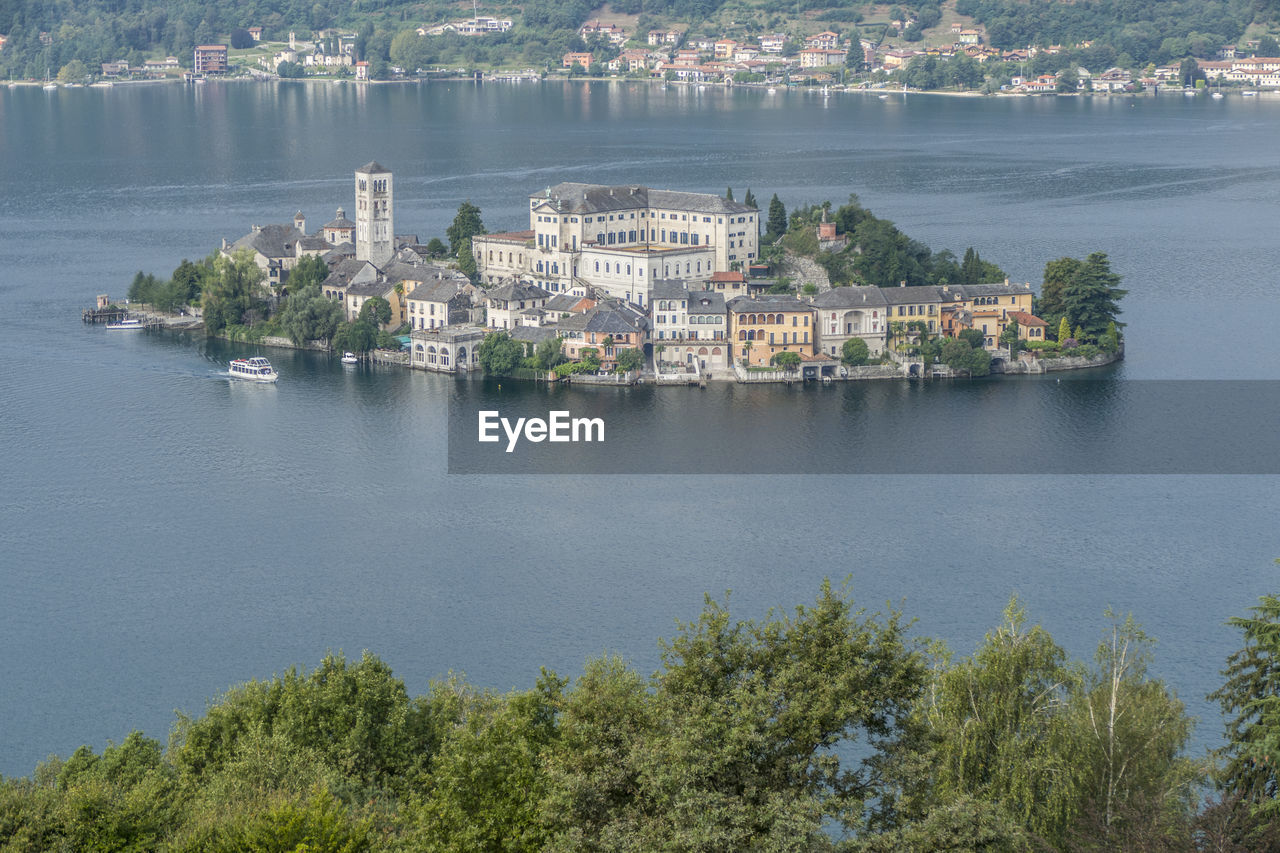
column 273, row 241
column 517, row 290
column 314, row 243
column 668, row 288
column 370, row 168
column 1025, row 319
column 905, row 295
column 368, row 288
column 435, row 290
column 706, row 302
column 340, row 222
column 1002, row 288
column 520, row 236
column 728, row 276
column 533, row 334
column 767, row 302
column 571, row 197
column 602, row 320
column 849, row 297
column 344, row 271
column 567, row 303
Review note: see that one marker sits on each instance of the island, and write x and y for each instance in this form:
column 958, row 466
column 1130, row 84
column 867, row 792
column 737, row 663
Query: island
column 625, row 284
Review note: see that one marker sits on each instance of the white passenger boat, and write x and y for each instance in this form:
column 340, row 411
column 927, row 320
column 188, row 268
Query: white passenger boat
column 256, row 369
column 128, row 324
column 350, row 358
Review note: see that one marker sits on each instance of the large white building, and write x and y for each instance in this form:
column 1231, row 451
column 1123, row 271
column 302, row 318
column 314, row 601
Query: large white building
column 620, row 240
column 375, row 228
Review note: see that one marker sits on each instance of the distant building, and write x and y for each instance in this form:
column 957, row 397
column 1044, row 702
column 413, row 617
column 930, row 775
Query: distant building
column 210, row 59
column 255, row 33
column 571, row 59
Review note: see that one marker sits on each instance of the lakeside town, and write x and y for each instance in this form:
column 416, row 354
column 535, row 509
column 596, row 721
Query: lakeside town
column 957, row 56
column 617, row 284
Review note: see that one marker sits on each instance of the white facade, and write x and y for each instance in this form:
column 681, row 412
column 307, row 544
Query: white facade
column 375, row 227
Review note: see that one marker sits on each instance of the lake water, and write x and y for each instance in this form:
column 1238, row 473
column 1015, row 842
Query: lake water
column 165, row 534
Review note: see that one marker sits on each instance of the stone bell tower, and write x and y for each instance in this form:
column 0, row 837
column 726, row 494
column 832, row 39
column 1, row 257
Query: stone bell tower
column 375, row 230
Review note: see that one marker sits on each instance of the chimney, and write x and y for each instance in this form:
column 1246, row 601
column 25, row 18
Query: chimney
column 1006, row 281
column 300, row 222
column 902, row 283
column 342, row 214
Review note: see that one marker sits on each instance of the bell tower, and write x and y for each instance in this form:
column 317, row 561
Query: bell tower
column 375, row 230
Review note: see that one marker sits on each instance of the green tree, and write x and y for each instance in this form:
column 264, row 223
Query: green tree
column 436, row 247
column 467, row 260
column 1127, row 734
column 499, row 354
column 728, row 193
column 1064, row 330
column 1250, row 699
column 548, row 353
column 358, row 337
column 375, row 311
column 629, row 359
column 308, row 315
column 1057, row 274
column 232, row 294
column 1068, row 80
column 310, row 271
column 74, row 71
column 489, row 778
column 1009, row 338
column 1110, row 340
column 786, row 359
column 777, row 221
column 1090, row 298
column 466, row 224
column 997, row 719
column 854, row 352
column 750, row 200
column 1268, row 46
column 973, row 337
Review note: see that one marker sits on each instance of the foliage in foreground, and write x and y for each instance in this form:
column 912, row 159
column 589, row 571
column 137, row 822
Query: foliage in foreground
column 825, row 728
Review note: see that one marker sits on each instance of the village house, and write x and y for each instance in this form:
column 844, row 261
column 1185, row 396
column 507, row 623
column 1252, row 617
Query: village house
column 851, row 312
column 446, row 349
column 612, row 32
column 724, row 48
column 505, row 302
column 344, row 274
column 609, row 328
column 905, row 305
column 760, row 328
column 340, row 230
column 821, row 57
column 689, row 326
column 581, row 58
column 210, row 59
column 825, row 40
column 657, row 37
column 773, row 43
column 444, row 299
column 985, row 307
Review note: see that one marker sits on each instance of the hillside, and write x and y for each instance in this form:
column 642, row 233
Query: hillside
column 43, row 37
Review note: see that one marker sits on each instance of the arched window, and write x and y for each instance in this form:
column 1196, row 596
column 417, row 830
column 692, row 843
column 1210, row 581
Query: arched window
column 444, row 356
column 742, row 335
column 462, row 356
column 715, row 351
column 431, row 355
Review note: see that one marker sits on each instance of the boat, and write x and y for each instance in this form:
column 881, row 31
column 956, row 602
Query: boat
column 126, row 325
column 51, row 87
column 1217, row 96
column 1190, row 93
column 884, row 97
column 772, row 90
column 256, row 369
column 1249, row 93
column 350, row 358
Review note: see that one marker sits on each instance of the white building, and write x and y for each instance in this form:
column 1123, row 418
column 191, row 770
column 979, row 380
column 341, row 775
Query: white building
column 375, row 231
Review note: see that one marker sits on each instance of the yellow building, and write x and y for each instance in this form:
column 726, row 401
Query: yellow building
column 987, row 308
column 761, row 328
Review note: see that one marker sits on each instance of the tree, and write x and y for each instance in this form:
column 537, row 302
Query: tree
column 854, row 352
column 240, row 39
column 548, row 353
column 310, row 271
column 1250, row 699
column 291, row 70
column 1057, row 274
column 590, row 357
column 467, row 260
column 1068, row 80
column 309, row 315
column 1009, row 338
column 72, row 72
column 973, row 337
column 436, row 248
column 1268, row 46
column 997, row 719
column 777, row 221
column 360, row 336
column 466, row 224
column 1189, row 72
column 499, row 354
column 1090, row 297
column 728, row 193
column 1110, row 340
column 1127, row 736
column 375, row 311
column 629, row 359
column 786, row 359
column 750, row 200
column 232, row 294
column 1064, row 330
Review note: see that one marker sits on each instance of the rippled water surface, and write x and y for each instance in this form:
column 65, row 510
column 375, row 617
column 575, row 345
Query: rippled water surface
column 165, row 534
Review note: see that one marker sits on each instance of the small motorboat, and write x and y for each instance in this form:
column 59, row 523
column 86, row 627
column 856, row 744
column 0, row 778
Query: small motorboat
column 350, row 358
column 128, row 324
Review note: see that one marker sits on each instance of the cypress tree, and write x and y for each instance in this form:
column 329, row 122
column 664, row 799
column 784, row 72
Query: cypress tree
column 777, row 223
